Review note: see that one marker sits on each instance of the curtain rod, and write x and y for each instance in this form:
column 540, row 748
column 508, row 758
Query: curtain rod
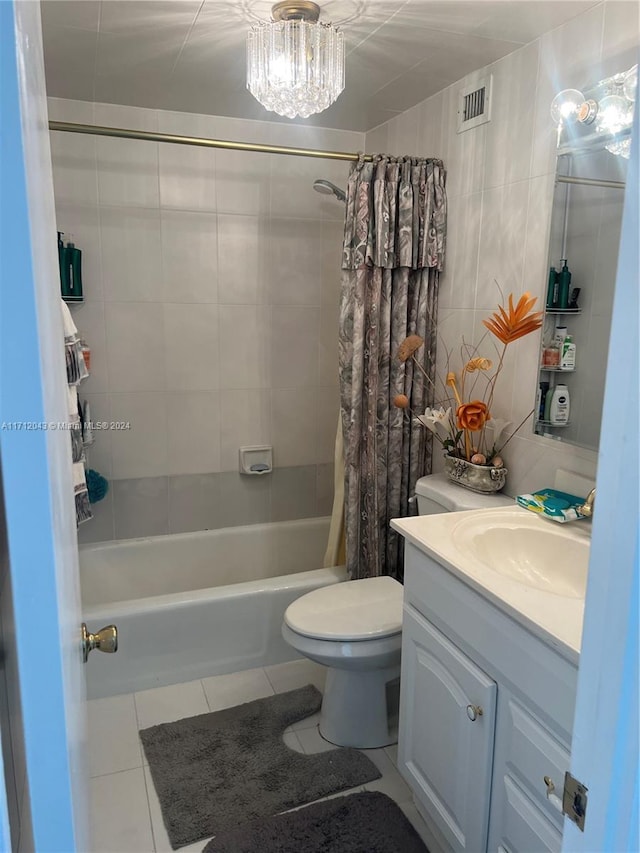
column 150, row 136
column 590, row 182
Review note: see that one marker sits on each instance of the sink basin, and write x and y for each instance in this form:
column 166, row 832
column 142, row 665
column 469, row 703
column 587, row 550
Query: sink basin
column 527, row 550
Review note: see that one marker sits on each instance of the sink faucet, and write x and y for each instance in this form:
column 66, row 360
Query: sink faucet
column 587, row 506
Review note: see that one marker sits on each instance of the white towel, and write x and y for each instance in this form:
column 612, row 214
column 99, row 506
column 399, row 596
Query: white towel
column 76, row 371
column 70, row 330
column 76, row 366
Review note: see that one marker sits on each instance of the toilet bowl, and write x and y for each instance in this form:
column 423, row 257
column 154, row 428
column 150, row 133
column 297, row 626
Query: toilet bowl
column 355, row 629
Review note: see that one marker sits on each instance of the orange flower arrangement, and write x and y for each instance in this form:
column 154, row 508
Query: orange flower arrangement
column 461, row 429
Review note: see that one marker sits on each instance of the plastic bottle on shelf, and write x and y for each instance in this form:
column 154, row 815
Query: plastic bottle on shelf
column 553, row 289
column 546, row 414
column 564, row 282
column 560, row 406
column 568, row 356
column 560, row 334
column 86, row 352
column 543, row 391
column 74, row 267
column 63, row 263
column 551, row 355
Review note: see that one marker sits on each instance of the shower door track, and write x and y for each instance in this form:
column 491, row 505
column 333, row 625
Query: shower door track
column 151, row 136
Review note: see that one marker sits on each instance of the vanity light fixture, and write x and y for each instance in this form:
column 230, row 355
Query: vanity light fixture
column 610, row 109
column 295, row 63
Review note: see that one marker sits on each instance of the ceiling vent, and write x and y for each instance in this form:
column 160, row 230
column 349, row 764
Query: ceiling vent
column 474, row 104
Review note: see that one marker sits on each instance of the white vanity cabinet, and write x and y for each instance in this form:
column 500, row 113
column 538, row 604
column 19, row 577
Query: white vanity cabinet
column 486, row 712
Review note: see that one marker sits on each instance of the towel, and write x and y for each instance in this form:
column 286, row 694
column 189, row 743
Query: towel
column 76, row 372
column 76, row 367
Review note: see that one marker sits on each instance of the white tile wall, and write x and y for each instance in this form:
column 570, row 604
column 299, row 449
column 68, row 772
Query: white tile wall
column 500, row 190
column 211, row 282
column 241, row 259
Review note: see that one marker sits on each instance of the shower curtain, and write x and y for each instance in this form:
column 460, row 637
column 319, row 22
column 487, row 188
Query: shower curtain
column 395, row 226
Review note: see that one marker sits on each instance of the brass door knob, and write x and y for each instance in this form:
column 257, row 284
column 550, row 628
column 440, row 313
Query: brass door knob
column 105, row 640
column 473, row 712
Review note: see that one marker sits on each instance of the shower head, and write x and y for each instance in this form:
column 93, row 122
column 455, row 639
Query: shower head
column 327, row 188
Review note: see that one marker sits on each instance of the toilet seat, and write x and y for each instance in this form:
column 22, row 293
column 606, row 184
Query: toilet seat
column 359, row 610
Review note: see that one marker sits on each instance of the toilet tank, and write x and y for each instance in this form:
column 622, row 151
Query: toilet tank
column 437, row 493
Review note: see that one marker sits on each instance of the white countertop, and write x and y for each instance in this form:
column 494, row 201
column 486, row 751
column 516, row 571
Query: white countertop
column 556, row 619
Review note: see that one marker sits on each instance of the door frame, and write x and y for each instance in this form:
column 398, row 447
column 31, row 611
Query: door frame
column 604, row 752
column 36, row 459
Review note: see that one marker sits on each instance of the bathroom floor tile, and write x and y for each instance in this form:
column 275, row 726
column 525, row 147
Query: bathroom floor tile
column 160, row 837
column 166, row 704
column 125, row 812
column 113, row 735
column 236, row 688
column 392, row 784
column 292, row 740
column 392, row 752
column 296, row 673
column 415, row 817
column 312, row 741
column 119, row 813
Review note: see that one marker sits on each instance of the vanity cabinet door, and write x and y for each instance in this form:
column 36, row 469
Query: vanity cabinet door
column 447, row 722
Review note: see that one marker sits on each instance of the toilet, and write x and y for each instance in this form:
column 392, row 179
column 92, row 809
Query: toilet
column 355, row 629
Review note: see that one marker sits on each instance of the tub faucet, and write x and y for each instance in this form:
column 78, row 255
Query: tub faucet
column 587, row 506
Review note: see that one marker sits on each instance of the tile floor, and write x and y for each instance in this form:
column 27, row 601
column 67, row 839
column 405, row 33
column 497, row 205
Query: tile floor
column 125, row 813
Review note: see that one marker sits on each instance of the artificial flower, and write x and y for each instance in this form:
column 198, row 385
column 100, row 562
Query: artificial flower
column 466, row 434
column 436, row 421
column 472, row 416
column 401, row 401
column 409, row 346
column 518, row 322
column 478, row 363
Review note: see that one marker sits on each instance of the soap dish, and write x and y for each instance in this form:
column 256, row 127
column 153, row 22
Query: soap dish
column 256, row 460
column 553, row 504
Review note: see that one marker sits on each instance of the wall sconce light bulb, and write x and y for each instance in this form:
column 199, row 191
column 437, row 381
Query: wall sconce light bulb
column 588, row 112
column 565, row 105
column 613, row 114
column 630, row 85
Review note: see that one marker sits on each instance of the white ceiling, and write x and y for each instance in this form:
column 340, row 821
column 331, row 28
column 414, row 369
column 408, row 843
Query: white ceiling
column 189, row 55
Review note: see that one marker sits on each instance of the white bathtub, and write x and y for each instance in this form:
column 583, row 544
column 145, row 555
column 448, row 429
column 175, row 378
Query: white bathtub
column 192, row 605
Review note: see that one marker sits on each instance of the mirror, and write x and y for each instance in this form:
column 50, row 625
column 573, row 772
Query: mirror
column 585, row 230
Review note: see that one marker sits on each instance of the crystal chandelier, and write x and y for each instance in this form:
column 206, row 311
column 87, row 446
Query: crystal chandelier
column 295, row 63
column 609, row 109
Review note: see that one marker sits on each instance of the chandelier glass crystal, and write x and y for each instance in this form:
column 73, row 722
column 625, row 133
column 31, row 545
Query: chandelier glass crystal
column 295, row 63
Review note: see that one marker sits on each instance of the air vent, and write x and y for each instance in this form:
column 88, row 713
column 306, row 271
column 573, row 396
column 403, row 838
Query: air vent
column 474, row 104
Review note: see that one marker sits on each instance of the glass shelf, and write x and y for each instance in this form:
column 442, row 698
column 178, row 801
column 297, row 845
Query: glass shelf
column 553, row 426
column 563, row 310
column 547, row 368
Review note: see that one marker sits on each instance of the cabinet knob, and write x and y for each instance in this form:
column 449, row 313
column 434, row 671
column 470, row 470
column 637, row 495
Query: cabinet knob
column 473, row 712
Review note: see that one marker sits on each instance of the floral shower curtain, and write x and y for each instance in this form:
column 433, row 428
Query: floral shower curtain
column 395, row 228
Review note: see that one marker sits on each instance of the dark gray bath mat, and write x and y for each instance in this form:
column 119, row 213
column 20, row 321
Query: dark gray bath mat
column 215, row 771
column 369, row 822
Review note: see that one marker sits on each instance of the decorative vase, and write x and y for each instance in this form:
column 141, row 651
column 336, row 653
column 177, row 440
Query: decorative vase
column 478, row 478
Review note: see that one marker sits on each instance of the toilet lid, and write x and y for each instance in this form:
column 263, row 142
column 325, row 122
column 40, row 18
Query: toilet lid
column 353, row 610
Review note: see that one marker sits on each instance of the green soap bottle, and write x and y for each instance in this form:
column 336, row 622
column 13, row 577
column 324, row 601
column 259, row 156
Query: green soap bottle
column 64, row 267
column 564, row 285
column 552, row 291
column 74, row 267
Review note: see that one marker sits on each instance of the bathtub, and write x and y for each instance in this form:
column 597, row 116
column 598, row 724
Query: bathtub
column 192, row 605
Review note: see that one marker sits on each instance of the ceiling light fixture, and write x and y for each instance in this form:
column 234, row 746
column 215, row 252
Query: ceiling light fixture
column 610, row 109
column 295, row 63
